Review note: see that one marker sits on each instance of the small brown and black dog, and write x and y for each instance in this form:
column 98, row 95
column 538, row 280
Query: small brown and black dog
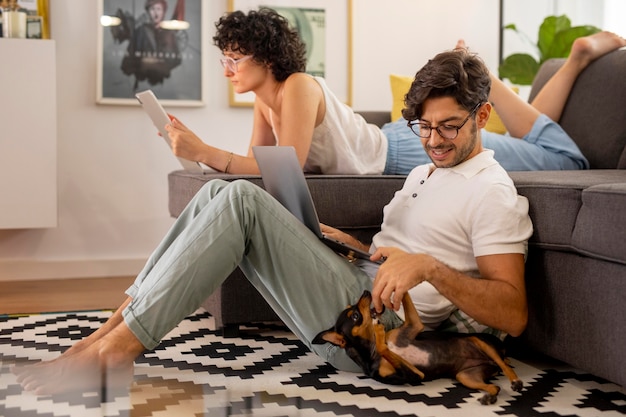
column 407, row 356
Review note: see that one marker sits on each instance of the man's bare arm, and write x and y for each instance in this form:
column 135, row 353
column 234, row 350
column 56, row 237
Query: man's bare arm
column 496, row 299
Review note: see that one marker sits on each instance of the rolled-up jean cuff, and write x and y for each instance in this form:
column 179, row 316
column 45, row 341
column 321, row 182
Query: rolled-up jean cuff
column 138, row 330
column 132, row 291
column 338, row 358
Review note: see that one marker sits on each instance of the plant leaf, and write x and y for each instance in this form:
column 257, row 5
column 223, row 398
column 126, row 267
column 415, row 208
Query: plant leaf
column 519, row 69
column 563, row 40
column 555, row 39
column 547, row 31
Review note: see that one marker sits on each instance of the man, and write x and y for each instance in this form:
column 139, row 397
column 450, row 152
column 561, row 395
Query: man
column 455, row 236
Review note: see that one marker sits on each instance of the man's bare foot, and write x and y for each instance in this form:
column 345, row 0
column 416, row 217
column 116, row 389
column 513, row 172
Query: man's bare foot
column 589, row 48
column 107, row 362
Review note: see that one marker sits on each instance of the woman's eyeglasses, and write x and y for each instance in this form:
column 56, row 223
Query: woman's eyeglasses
column 231, row 64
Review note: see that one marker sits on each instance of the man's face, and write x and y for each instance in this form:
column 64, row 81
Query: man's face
column 446, row 153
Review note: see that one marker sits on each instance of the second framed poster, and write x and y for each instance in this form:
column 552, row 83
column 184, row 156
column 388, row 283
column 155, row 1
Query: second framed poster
column 326, row 28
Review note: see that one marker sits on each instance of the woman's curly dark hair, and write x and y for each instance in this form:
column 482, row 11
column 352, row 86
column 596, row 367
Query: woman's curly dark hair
column 458, row 74
column 266, row 36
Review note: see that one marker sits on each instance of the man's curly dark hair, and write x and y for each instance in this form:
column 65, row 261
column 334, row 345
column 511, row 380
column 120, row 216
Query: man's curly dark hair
column 458, row 74
column 267, row 36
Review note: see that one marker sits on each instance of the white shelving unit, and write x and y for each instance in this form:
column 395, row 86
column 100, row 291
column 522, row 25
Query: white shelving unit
column 28, row 134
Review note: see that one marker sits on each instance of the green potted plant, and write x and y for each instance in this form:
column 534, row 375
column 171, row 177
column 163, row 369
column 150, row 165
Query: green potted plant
column 555, row 39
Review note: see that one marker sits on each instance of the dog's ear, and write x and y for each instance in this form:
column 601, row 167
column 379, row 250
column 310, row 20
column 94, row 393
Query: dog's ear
column 329, row 336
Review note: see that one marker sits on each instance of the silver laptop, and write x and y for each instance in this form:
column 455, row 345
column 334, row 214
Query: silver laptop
column 159, row 118
column 284, row 180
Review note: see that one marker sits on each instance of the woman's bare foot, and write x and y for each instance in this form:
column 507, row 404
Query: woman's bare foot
column 110, row 324
column 589, row 48
column 107, row 362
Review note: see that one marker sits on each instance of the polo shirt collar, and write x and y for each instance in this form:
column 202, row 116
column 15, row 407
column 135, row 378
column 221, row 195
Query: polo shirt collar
column 476, row 164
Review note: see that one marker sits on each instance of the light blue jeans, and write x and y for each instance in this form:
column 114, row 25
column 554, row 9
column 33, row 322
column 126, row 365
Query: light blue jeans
column 546, row 147
column 229, row 224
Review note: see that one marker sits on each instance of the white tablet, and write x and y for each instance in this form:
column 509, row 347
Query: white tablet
column 160, row 118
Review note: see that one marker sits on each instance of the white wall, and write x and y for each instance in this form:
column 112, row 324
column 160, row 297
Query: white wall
column 399, row 36
column 112, row 178
column 614, row 13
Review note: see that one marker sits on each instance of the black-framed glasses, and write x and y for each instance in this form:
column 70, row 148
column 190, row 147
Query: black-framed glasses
column 446, row 131
column 231, row 63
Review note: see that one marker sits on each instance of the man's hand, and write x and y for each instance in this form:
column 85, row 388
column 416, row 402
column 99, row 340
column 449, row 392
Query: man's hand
column 497, row 299
column 400, row 272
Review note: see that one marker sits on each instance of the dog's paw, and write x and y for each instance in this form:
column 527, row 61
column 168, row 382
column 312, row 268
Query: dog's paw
column 517, row 385
column 491, row 396
column 488, row 399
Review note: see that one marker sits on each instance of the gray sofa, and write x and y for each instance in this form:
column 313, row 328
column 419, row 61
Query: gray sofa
column 576, row 267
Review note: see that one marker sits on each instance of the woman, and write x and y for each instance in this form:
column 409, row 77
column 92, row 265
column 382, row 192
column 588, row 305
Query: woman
column 264, row 55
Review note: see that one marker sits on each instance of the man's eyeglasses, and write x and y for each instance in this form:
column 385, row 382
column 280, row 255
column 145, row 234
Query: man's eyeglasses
column 231, row 64
column 445, row 131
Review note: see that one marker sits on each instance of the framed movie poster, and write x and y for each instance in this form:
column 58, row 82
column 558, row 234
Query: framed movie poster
column 150, row 44
column 326, row 28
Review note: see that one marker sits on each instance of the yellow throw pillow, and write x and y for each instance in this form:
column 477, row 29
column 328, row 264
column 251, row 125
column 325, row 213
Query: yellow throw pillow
column 494, row 124
column 400, row 85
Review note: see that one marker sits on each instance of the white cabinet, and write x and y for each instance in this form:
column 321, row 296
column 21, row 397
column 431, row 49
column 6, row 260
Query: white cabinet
column 28, row 134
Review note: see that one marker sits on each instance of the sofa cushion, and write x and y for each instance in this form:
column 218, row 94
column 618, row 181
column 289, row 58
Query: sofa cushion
column 601, row 225
column 360, row 198
column 595, row 104
column 183, row 185
column 570, row 210
column 573, row 210
column 376, row 117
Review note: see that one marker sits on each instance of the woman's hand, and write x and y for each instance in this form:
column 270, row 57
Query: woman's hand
column 343, row 237
column 185, row 143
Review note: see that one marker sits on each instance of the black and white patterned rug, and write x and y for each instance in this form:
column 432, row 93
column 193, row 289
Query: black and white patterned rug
column 268, row 372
